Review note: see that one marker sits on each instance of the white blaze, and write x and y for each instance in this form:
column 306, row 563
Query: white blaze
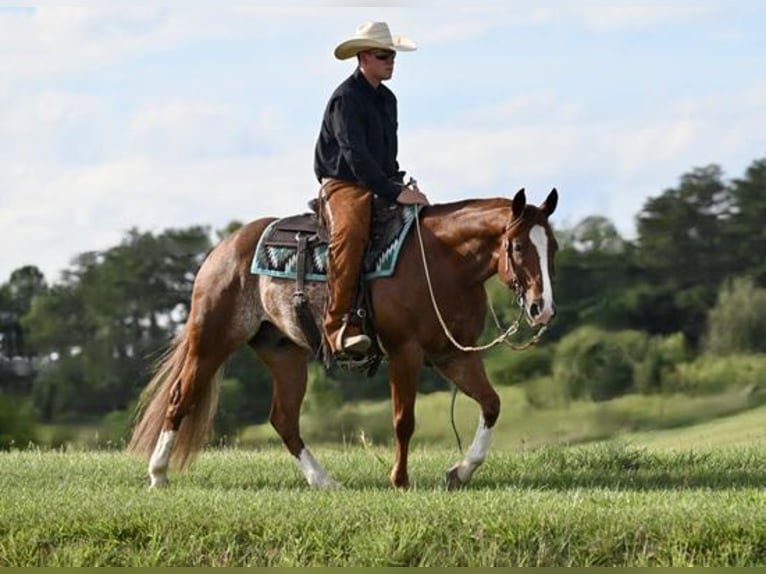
column 540, row 240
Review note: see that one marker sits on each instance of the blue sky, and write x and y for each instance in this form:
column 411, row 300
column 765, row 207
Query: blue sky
column 157, row 117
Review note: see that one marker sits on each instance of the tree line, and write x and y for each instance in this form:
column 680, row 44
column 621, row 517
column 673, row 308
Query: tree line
column 82, row 347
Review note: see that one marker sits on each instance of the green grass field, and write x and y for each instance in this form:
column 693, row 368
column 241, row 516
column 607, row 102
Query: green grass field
column 615, row 503
column 672, row 481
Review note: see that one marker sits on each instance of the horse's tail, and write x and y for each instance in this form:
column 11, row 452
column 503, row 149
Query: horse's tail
column 152, row 408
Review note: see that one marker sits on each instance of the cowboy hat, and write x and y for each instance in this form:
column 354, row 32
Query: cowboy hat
column 373, row 35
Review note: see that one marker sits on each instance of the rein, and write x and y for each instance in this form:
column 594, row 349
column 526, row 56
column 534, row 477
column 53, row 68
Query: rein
column 504, row 335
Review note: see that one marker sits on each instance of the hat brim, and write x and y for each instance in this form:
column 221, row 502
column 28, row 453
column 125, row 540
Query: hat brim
column 351, row 48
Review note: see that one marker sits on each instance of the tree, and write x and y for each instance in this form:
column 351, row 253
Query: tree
column 16, row 297
column 24, row 285
column 114, row 311
column 680, row 233
column 746, row 227
column 595, row 265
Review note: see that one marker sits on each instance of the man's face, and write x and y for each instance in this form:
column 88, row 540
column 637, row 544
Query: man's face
column 380, row 63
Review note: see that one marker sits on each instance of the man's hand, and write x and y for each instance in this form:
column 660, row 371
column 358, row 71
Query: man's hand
column 412, row 196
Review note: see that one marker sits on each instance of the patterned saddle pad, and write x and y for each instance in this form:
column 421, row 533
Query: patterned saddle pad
column 276, row 254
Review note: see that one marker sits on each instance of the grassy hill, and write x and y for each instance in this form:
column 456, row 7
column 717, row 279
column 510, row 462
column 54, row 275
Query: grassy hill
column 728, row 419
column 739, row 430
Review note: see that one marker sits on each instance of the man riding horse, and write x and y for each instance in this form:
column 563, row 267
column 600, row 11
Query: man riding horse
column 355, row 157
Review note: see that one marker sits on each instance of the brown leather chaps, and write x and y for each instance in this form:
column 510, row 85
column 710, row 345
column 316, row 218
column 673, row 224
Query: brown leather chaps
column 348, row 210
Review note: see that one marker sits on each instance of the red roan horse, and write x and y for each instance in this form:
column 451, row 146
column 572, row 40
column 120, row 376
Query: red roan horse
column 465, row 243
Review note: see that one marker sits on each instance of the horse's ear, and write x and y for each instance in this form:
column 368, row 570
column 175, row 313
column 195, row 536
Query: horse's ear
column 550, row 203
column 519, row 203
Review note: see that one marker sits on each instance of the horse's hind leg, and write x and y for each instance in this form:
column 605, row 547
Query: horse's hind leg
column 288, row 364
column 191, row 390
column 467, row 372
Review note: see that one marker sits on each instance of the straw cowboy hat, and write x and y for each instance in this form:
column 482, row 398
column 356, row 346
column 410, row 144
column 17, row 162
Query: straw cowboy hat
column 373, row 35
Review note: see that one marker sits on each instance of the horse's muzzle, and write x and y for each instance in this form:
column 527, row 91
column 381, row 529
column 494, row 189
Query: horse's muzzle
column 538, row 314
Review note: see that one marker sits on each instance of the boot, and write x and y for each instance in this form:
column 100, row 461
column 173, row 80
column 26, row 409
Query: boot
column 348, row 211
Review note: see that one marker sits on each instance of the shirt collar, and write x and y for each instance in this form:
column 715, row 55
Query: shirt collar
column 362, row 81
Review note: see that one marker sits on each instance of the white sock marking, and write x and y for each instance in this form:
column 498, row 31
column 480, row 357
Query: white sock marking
column 477, row 452
column 313, row 471
column 158, row 464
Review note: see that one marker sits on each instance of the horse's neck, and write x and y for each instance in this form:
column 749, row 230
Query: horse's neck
column 471, row 229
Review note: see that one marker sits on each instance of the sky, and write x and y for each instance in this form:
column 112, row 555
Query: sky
column 156, row 116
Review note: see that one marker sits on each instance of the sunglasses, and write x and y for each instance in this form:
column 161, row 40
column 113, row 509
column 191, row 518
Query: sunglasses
column 383, row 54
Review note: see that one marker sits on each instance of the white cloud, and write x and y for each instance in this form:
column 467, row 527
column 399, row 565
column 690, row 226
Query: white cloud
column 607, row 167
column 645, row 15
column 189, row 130
column 56, row 213
column 82, row 160
column 54, row 124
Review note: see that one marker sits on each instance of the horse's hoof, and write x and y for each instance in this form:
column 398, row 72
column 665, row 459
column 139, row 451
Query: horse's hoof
column 158, row 481
column 452, row 480
column 325, row 483
column 330, row 484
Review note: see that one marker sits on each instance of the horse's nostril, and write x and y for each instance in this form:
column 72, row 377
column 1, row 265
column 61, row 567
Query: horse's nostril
column 534, row 310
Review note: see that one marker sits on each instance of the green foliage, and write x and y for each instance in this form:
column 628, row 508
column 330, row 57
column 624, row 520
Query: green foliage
column 17, row 422
column 114, row 429
column 58, row 391
column 323, row 392
column 737, row 323
column 255, row 382
column 230, row 415
column 591, row 363
column 508, row 367
column 544, row 393
column 324, row 415
column 713, row 374
column 655, row 370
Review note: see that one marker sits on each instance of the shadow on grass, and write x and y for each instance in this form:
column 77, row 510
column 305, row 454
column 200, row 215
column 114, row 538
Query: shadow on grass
column 551, row 468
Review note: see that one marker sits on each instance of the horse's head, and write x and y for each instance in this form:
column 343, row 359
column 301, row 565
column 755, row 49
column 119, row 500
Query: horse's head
column 525, row 263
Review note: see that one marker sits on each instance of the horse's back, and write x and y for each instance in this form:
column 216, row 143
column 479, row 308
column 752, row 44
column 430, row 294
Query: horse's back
column 233, row 255
column 224, row 289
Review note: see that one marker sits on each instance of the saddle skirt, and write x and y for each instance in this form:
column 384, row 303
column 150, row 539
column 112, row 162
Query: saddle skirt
column 277, row 253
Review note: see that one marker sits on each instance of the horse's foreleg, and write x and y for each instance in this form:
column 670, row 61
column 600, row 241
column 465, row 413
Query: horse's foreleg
column 404, row 372
column 467, row 372
column 289, row 368
column 461, row 473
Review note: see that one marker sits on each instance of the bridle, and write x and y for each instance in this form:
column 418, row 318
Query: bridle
column 506, row 270
column 509, row 277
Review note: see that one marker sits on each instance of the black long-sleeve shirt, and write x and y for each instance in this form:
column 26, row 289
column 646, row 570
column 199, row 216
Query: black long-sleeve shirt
column 358, row 141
